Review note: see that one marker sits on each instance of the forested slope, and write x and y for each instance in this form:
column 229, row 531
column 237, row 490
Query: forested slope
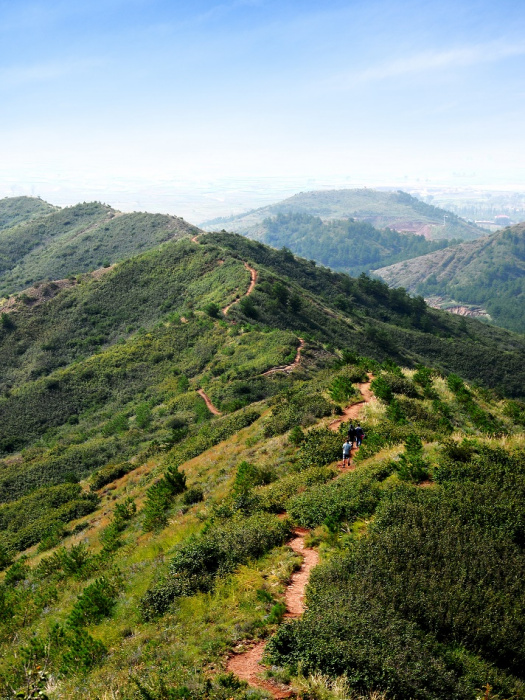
column 16, row 210
column 489, row 272
column 346, row 245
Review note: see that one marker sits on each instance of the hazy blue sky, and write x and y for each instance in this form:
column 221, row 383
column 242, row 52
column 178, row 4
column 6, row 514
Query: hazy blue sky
column 151, row 90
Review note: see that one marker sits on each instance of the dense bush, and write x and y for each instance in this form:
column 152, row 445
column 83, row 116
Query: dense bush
column 95, row 602
column 353, row 495
column 160, row 496
column 299, row 409
column 430, row 603
column 319, row 447
column 28, row 520
column 216, row 552
column 109, row 473
column 275, row 497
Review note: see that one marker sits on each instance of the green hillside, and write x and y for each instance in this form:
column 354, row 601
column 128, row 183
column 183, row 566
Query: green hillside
column 489, row 272
column 77, row 239
column 165, row 426
column 395, row 210
column 17, row 210
column 346, row 245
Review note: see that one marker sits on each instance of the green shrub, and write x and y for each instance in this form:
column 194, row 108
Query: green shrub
column 193, row 495
column 216, row 552
column 275, row 497
column 296, row 435
column 353, row 495
column 160, row 496
column 341, row 389
column 382, row 389
column 320, row 446
column 300, row 409
column 403, row 606
column 109, row 473
column 75, row 561
column 248, row 475
column 94, row 604
column 411, row 466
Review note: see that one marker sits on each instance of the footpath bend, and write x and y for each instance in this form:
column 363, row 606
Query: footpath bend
column 247, row 665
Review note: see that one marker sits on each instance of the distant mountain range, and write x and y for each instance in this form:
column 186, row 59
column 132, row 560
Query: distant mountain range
column 396, row 210
column 41, row 242
column 480, row 277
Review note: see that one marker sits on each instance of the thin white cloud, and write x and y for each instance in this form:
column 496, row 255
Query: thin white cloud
column 15, row 76
column 428, row 61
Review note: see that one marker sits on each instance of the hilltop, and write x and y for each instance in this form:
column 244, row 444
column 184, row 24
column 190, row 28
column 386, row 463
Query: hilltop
column 43, row 243
column 395, row 210
column 17, row 210
column 488, row 273
column 170, row 436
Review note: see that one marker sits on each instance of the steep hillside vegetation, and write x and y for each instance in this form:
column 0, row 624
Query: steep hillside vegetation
column 77, row 239
column 350, row 246
column 158, row 423
column 489, row 272
column 16, row 210
column 140, row 581
column 396, row 210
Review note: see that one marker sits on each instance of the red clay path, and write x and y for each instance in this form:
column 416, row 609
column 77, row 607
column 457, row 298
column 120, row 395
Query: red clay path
column 288, row 368
column 253, row 281
column 352, row 413
column 247, row 666
column 211, row 407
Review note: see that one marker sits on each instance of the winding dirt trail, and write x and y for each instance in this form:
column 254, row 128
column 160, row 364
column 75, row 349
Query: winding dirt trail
column 253, row 282
column 352, row 413
column 211, row 407
column 253, row 279
column 288, row 368
column 247, row 666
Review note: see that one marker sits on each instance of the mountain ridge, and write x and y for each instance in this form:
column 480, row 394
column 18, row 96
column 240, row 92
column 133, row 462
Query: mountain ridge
column 145, row 539
column 396, row 210
column 77, row 239
column 488, row 273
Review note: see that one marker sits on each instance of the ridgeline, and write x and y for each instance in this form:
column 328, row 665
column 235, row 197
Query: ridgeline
column 165, row 427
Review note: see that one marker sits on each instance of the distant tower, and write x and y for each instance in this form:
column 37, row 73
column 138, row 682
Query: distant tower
column 445, row 217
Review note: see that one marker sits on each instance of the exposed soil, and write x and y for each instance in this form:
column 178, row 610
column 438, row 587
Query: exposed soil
column 211, row 407
column 288, row 368
column 253, row 282
column 352, row 413
column 34, row 296
column 247, row 665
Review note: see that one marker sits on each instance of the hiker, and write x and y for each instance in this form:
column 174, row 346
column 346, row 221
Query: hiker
column 347, row 448
column 359, row 435
column 351, row 434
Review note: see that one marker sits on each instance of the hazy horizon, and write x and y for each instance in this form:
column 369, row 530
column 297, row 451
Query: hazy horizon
column 203, row 109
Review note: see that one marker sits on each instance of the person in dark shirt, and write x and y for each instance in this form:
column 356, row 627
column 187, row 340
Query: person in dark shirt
column 359, row 435
column 351, row 434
